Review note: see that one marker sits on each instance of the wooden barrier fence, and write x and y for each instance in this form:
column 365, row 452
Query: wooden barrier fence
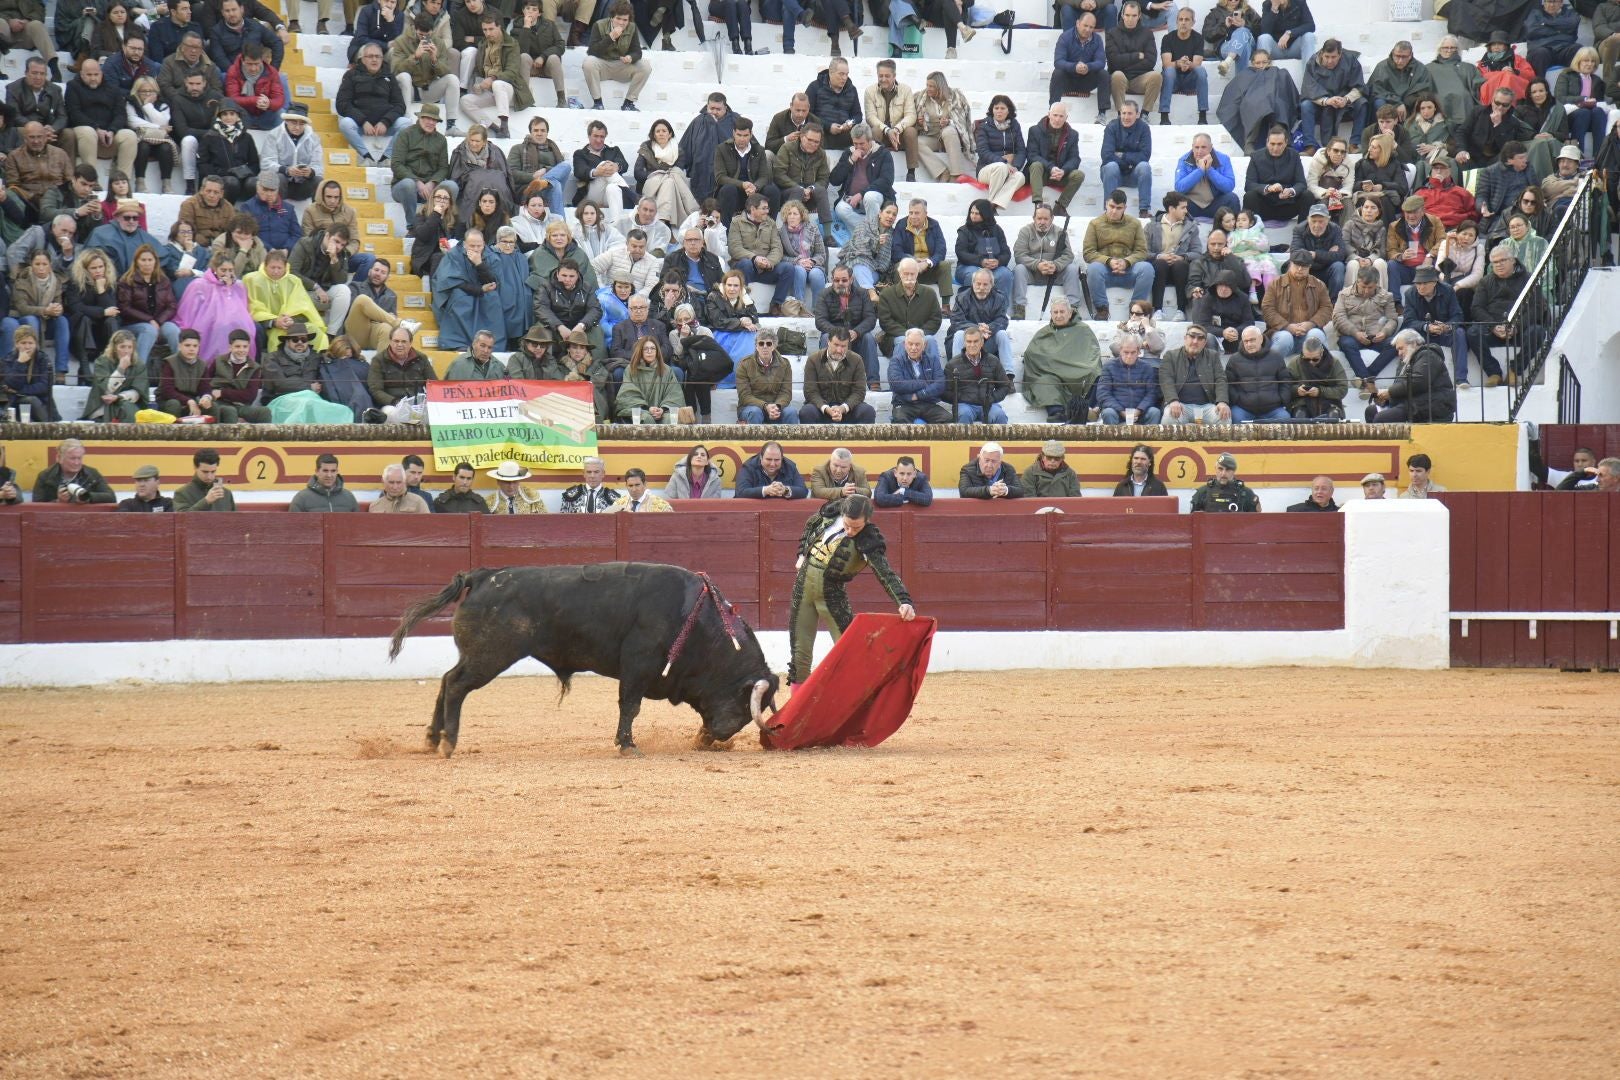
column 1542, row 551
column 73, row 576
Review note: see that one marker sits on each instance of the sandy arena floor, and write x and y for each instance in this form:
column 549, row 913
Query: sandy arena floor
column 1146, row 875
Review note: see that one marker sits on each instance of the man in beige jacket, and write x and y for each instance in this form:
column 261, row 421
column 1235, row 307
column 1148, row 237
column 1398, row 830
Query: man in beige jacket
column 395, row 499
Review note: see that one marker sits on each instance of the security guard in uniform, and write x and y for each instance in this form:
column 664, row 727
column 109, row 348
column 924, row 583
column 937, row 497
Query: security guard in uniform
column 1226, row 492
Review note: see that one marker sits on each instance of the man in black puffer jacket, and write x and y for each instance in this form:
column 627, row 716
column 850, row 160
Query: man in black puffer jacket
column 371, row 107
column 566, row 305
column 191, row 115
column 836, row 102
column 1504, row 280
column 1258, row 382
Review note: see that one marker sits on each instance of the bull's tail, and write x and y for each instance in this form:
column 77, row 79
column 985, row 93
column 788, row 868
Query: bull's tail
column 428, row 607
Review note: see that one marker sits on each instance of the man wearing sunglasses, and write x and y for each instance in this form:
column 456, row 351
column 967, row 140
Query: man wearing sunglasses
column 293, row 367
column 121, row 237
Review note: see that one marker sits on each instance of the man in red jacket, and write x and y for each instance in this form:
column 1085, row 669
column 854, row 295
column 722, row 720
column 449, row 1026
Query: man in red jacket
column 256, row 88
column 1447, row 200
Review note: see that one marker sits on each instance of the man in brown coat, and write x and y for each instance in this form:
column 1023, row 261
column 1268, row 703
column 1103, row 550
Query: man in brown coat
column 764, row 383
column 1296, row 305
column 208, row 212
column 838, row 476
column 835, row 385
column 36, row 166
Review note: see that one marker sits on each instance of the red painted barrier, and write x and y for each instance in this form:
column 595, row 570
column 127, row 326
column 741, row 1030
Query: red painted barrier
column 10, row 577
column 1534, row 551
column 97, row 577
column 94, row 577
column 249, row 576
column 378, row 565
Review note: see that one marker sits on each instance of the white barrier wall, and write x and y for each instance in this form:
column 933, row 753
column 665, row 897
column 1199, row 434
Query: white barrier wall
column 1397, row 582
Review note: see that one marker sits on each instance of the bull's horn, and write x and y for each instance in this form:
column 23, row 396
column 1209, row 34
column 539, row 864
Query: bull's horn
column 756, row 707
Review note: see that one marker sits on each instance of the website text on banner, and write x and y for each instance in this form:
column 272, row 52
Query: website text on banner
column 540, row 425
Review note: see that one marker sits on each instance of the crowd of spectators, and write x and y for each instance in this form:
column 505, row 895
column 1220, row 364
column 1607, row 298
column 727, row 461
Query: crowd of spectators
column 1432, row 233
column 769, row 474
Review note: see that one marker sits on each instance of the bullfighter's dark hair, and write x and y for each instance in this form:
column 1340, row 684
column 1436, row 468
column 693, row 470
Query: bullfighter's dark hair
column 640, row 474
column 858, row 507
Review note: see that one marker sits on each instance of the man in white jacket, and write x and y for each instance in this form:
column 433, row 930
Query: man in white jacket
column 294, row 151
column 630, row 262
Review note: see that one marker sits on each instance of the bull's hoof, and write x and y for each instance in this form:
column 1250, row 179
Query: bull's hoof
column 705, row 741
column 630, row 750
column 431, row 741
column 446, row 748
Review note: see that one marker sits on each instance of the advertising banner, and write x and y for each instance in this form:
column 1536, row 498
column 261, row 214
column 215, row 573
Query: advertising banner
column 540, row 425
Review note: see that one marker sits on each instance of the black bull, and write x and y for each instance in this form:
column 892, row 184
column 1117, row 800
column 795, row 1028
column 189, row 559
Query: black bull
column 616, row 619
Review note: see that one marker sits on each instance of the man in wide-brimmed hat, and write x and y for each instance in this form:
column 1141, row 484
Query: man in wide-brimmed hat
column 511, row 495
column 532, row 355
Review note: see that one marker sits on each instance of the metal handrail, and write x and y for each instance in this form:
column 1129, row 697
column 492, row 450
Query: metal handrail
column 1569, row 392
column 1545, row 299
column 1552, row 245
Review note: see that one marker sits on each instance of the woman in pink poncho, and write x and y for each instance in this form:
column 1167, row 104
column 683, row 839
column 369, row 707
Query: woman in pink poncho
column 214, row 305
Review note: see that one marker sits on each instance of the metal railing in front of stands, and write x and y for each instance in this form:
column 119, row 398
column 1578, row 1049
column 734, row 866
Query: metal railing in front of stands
column 1579, row 241
column 1569, row 392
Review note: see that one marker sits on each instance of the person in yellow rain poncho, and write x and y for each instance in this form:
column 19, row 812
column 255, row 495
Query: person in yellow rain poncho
column 277, row 299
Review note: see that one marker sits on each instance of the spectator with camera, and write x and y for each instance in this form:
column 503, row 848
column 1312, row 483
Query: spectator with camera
column 1320, row 383
column 206, row 490
column 70, row 480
